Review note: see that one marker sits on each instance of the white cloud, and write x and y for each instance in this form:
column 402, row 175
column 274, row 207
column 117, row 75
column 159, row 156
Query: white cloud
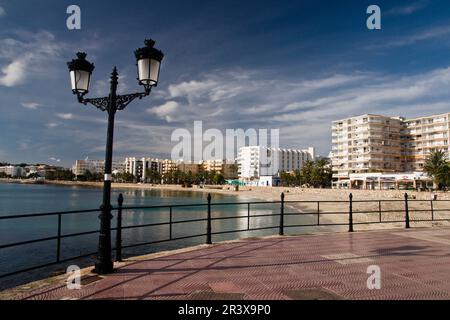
column 439, row 32
column 213, row 87
column 165, row 111
column 65, row 116
column 51, row 125
column 13, row 74
column 30, row 105
column 301, row 107
column 42, row 54
column 407, row 96
column 2, row 12
column 191, row 88
column 334, row 80
column 234, row 97
column 54, row 159
column 408, row 9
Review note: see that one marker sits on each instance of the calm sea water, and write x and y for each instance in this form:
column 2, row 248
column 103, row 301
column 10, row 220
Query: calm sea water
column 19, row 198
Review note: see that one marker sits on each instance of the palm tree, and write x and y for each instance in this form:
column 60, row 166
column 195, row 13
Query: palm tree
column 321, row 174
column 437, row 167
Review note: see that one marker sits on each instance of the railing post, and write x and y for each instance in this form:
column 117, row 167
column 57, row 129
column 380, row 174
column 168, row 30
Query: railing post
column 281, row 231
column 119, row 229
column 318, row 213
column 406, row 211
column 58, row 244
column 170, row 223
column 350, row 213
column 432, row 210
column 208, row 222
column 379, row 210
column 248, row 216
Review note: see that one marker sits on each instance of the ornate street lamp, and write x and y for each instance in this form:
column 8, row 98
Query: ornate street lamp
column 148, row 61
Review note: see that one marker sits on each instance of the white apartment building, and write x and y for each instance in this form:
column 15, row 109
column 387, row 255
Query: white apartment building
column 95, row 166
column 256, row 161
column 138, row 166
column 228, row 168
column 169, row 166
column 187, row 167
column 13, row 171
column 133, row 165
column 379, row 144
column 423, row 135
column 366, row 143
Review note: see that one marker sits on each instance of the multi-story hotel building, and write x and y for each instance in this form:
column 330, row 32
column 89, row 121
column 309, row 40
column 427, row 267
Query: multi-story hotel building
column 13, row 171
column 139, row 166
column 422, row 135
column 228, row 169
column 95, row 166
column 188, row 167
column 256, row 161
column 379, row 144
column 168, row 165
column 367, row 143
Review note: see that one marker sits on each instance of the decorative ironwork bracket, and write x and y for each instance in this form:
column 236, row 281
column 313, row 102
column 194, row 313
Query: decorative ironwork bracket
column 100, row 103
column 121, row 100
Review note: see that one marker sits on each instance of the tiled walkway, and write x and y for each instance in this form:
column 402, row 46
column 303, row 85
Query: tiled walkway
column 414, row 264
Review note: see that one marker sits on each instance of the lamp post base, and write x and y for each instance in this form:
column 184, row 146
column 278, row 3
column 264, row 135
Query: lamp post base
column 103, row 268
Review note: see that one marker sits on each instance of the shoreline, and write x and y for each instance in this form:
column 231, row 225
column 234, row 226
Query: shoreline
column 263, row 193
column 303, row 200
column 223, row 190
column 148, row 186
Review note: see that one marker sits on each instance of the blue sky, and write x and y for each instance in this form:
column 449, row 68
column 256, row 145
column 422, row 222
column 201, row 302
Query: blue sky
column 293, row 65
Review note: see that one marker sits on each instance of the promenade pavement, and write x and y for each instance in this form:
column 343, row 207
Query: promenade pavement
column 413, row 264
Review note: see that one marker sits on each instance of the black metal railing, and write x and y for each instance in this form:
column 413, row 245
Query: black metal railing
column 317, row 212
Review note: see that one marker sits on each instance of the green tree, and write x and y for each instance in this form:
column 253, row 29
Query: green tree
column 152, row 176
column 210, row 177
column 287, row 179
column 98, row 176
column 317, row 174
column 60, row 174
column 33, row 175
column 218, row 178
column 321, row 174
column 124, row 177
column 307, row 172
column 190, row 178
column 88, row 175
column 437, row 167
column 199, row 178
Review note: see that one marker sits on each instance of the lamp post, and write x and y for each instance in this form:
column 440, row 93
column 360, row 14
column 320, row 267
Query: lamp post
column 148, row 62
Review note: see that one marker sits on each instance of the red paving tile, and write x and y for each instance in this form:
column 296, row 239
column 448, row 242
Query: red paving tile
column 414, row 265
column 229, row 287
